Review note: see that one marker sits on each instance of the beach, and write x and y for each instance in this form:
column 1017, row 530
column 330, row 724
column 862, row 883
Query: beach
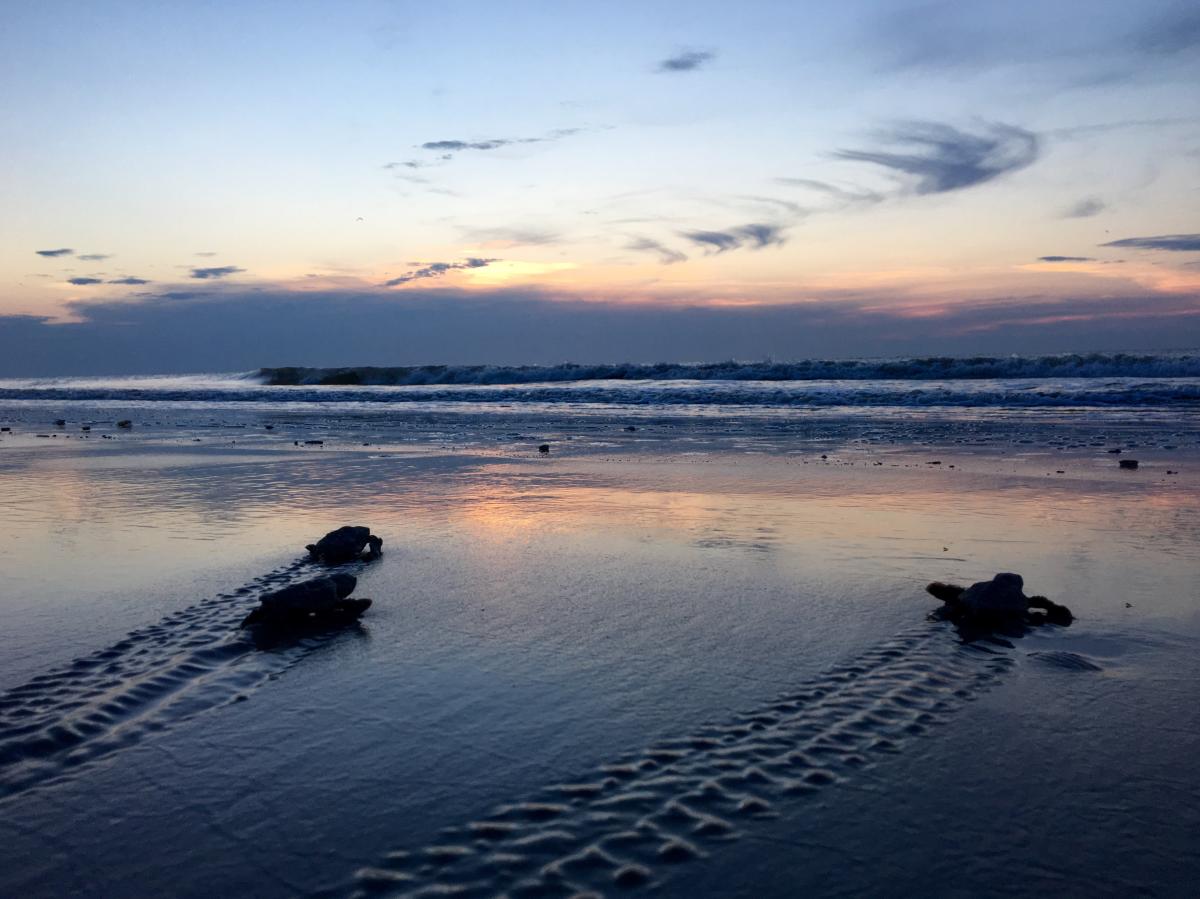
column 686, row 651
column 525, row 450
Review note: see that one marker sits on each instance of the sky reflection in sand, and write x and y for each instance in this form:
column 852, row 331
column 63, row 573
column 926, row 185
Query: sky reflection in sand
column 127, row 528
column 533, row 617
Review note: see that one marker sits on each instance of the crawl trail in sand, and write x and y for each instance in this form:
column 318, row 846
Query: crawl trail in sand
column 631, row 822
column 189, row 662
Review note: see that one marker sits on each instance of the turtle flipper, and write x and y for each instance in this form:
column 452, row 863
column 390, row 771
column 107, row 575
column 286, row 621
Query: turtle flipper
column 949, row 593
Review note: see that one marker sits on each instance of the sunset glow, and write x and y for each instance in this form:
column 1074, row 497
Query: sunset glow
column 924, row 159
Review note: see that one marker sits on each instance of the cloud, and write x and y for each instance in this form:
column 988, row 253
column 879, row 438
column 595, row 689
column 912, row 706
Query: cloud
column 456, row 146
column 65, row 251
column 1072, row 132
column 1065, row 259
column 939, row 35
column 226, row 327
column 753, row 237
column 1053, row 38
column 759, row 236
column 206, row 254
column 719, row 241
column 1085, row 208
column 217, row 271
column 512, row 237
column 1180, row 243
column 436, row 270
column 790, row 207
column 88, row 281
column 1178, row 31
column 847, row 195
column 447, row 148
column 665, row 254
column 687, row 61
column 943, row 158
column 96, row 257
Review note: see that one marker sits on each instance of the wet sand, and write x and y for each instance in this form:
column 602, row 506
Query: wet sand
column 677, row 662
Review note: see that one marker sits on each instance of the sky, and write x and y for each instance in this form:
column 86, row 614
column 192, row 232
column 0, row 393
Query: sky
column 217, row 186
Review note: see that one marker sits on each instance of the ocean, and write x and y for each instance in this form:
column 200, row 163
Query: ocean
column 1091, row 381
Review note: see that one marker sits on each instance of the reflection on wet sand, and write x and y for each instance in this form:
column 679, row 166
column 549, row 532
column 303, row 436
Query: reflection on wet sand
column 148, row 514
column 534, row 620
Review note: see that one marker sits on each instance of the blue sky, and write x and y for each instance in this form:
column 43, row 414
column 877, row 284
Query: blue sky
column 942, row 174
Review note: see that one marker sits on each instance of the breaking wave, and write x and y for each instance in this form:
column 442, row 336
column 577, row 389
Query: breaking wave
column 1088, row 365
column 1095, row 380
column 1080, row 392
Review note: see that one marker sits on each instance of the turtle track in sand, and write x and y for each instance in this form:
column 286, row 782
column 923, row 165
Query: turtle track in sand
column 189, row 662
column 630, row 823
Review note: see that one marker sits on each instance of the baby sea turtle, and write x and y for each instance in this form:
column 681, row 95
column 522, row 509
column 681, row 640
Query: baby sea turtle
column 345, row 545
column 317, row 603
column 997, row 602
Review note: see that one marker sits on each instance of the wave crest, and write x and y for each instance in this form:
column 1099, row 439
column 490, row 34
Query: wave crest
column 1075, row 365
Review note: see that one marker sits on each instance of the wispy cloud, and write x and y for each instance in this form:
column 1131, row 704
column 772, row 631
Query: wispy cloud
column 687, row 61
column 775, row 205
column 1085, row 208
column 1176, row 32
column 227, row 327
column 217, row 271
column 845, row 195
column 753, row 236
column 96, row 257
column 937, row 35
column 942, row 158
column 1182, row 243
column 948, row 35
column 457, row 146
column 666, row 255
column 513, row 237
column 88, row 281
column 759, row 236
column 1065, row 259
column 436, row 270
column 64, row 251
column 1072, row 132
column 409, row 164
column 447, row 149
